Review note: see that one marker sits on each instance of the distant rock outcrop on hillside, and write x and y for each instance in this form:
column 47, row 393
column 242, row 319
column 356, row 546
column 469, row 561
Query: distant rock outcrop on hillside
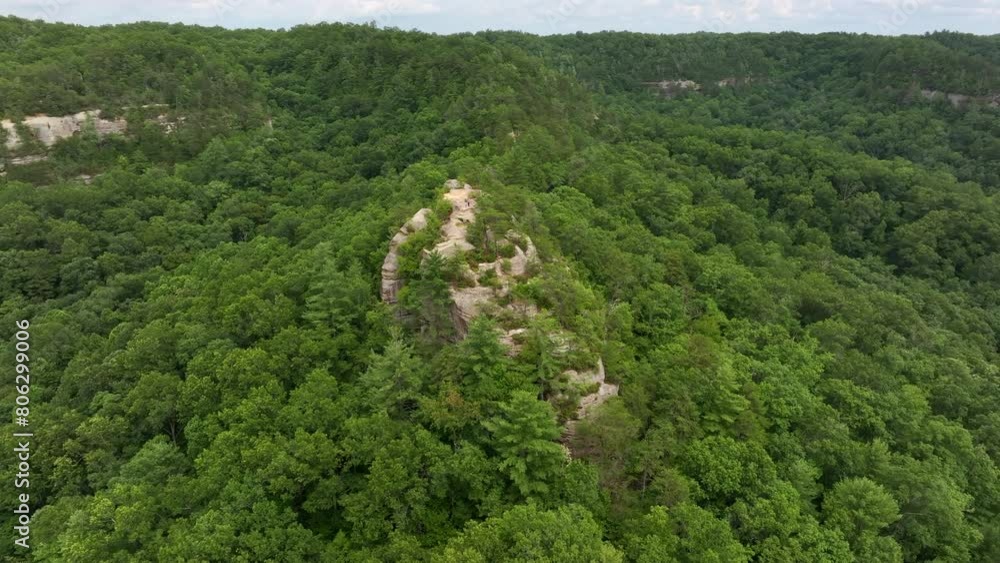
column 671, row 88
column 49, row 129
column 961, row 100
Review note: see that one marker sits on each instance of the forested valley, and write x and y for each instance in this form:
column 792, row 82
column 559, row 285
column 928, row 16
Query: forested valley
column 783, row 250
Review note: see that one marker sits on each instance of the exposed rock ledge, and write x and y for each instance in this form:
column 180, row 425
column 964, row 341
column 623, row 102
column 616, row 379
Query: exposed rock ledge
column 467, row 301
column 21, row 161
column 391, row 283
column 671, row 88
column 463, row 213
column 471, row 300
column 961, row 100
column 604, row 390
column 49, row 129
column 591, row 401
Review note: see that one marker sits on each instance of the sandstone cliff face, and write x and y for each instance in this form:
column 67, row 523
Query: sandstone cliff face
column 671, row 88
column 391, row 282
column 961, row 100
column 49, row 129
column 488, row 284
column 469, row 301
column 604, row 390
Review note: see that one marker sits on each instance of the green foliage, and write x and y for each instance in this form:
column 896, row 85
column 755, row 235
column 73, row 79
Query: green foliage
column 427, row 299
column 683, row 533
column 861, row 509
column 485, row 372
column 523, row 435
column 526, row 533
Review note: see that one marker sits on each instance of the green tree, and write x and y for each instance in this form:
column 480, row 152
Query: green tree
column 523, row 435
column 527, row 533
column 684, row 533
column 861, row 509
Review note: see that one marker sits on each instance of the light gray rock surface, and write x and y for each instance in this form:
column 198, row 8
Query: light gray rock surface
column 49, row 129
column 391, row 282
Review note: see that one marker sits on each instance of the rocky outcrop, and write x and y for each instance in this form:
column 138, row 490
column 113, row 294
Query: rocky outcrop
column 391, row 281
column 484, row 284
column 509, row 339
column 961, row 100
column 21, row 161
column 468, row 302
column 49, row 129
column 671, row 88
column 487, row 286
column 522, row 259
column 30, row 159
column 600, row 391
column 589, row 379
column 455, row 231
column 956, row 100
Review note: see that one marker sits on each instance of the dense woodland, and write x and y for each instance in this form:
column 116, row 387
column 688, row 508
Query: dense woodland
column 795, row 280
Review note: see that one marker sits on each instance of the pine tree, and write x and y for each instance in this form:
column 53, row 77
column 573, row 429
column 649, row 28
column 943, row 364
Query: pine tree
column 524, row 436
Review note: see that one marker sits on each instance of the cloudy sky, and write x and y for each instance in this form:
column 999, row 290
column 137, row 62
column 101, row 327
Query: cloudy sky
column 541, row 16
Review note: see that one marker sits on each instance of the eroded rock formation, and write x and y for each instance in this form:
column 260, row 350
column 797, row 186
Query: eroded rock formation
column 391, row 282
column 455, row 231
column 589, row 379
column 470, row 301
column 488, row 284
column 961, row 100
column 598, row 391
column 49, row 129
column 671, row 88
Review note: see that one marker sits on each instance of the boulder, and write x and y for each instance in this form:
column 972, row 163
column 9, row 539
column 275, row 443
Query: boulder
column 468, row 302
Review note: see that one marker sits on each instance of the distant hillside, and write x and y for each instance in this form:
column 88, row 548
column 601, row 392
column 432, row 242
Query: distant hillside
column 866, row 92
